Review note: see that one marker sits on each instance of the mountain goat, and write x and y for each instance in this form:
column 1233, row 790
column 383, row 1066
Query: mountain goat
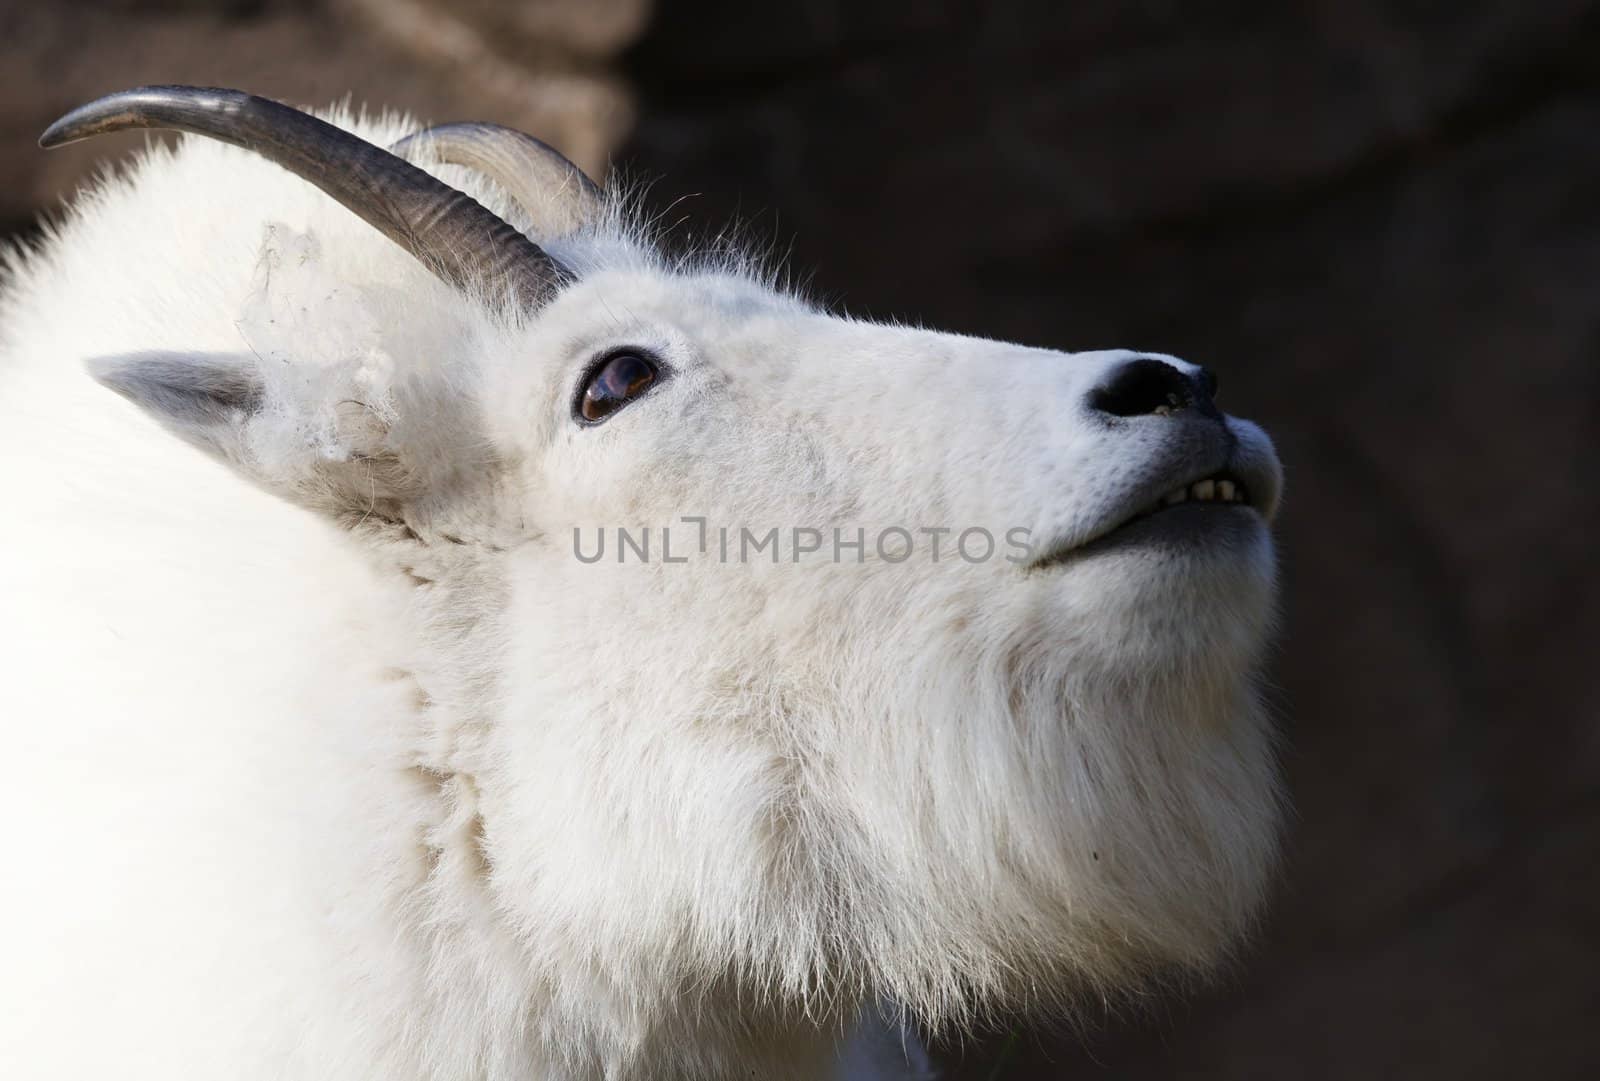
column 535, row 657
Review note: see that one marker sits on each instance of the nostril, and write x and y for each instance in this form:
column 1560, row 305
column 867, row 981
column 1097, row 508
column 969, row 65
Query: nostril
column 1148, row 386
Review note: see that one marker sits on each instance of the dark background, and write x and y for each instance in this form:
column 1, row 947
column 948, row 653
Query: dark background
column 1378, row 222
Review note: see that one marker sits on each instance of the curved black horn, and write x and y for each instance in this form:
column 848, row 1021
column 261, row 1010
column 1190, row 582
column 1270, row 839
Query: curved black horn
column 450, row 232
column 554, row 192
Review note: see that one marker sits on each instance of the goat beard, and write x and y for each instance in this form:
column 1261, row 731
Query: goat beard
column 1043, row 840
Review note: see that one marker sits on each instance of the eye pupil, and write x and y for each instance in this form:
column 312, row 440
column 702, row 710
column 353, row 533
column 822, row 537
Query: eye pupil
column 614, row 384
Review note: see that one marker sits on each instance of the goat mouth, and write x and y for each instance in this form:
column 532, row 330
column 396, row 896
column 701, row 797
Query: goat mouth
column 1192, row 512
column 1188, row 514
column 1218, row 488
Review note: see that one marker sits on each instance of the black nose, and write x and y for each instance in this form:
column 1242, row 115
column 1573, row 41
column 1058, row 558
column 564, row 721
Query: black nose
column 1149, row 386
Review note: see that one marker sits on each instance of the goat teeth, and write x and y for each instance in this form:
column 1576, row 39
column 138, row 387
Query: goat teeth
column 1175, row 497
column 1204, row 490
column 1225, row 490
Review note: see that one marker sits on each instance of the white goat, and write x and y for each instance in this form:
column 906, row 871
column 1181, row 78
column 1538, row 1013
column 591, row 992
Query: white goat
column 361, row 766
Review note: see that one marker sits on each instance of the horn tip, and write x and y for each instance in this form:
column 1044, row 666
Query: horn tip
column 127, row 108
column 57, row 134
column 87, row 118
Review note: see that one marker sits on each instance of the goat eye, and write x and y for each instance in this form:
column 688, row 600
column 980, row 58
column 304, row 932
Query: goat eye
column 615, row 383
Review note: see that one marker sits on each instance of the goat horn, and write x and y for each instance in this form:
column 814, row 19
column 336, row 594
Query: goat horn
column 554, row 192
column 452, row 234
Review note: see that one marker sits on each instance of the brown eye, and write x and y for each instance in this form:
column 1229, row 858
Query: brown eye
column 613, row 384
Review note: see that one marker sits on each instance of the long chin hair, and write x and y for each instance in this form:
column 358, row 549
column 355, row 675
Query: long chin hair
column 1026, row 828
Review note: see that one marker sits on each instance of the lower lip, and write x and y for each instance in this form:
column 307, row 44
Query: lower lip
column 1180, row 527
column 1181, row 524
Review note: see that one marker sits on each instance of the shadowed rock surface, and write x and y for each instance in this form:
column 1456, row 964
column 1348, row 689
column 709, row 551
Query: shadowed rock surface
column 1380, row 223
column 544, row 66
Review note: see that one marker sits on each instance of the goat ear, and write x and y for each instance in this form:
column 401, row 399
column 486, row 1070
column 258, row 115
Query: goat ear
column 333, row 456
column 206, row 400
column 319, row 407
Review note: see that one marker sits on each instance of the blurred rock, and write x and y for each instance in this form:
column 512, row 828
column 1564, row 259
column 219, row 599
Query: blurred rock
column 1380, row 222
column 547, row 68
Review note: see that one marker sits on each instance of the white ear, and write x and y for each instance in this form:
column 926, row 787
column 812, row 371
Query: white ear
column 205, row 400
column 335, row 457
column 316, row 408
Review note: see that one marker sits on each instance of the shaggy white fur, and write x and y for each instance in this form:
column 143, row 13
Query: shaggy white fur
column 353, row 769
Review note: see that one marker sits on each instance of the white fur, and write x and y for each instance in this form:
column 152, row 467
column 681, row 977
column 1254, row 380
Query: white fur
column 330, row 760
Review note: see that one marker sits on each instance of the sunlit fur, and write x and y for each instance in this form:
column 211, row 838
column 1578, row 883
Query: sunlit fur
column 328, row 759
